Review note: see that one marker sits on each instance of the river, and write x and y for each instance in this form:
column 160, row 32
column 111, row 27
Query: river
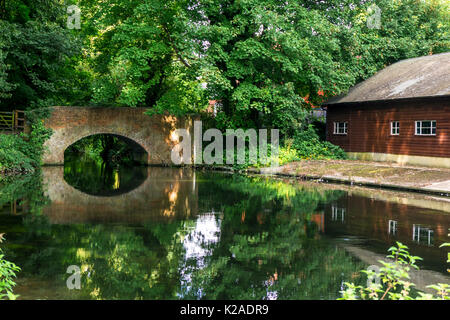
column 174, row 233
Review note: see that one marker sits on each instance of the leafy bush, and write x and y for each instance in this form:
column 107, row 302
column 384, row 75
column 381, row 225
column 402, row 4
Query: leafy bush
column 287, row 154
column 7, row 273
column 35, row 141
column 305, row 145
column 309, row 146
column 22, row 153
column 394, row 281
column 14, row 154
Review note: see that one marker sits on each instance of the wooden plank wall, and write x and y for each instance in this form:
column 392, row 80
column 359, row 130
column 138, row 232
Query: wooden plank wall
column 369, row 126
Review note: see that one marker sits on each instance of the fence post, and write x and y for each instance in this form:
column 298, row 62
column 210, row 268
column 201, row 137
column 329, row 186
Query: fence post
column 13, row 121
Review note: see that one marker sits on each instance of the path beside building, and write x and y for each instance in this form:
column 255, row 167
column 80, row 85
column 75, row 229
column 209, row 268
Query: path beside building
column 372, row 174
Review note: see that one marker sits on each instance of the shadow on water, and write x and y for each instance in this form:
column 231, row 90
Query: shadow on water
column 172, row 233
column 100, row 178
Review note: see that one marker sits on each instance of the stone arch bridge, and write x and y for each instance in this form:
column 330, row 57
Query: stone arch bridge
column 152, row 133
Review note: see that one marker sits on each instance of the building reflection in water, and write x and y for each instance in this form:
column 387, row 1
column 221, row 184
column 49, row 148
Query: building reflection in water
column 379, row 223
column 337, row 214
column 423, row 235
column 392, row 228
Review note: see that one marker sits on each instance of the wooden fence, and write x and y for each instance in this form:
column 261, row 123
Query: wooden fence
column 12, row 121
column 15, row 207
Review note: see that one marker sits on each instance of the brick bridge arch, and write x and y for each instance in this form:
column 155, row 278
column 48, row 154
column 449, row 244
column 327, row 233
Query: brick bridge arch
column 152, row 133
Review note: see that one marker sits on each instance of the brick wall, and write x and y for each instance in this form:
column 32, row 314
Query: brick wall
column 153, row 134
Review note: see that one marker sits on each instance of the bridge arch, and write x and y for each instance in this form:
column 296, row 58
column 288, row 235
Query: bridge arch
column 152, row 133
column 138, row 148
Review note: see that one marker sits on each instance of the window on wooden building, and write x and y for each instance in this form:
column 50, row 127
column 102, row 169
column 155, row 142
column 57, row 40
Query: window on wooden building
column 340, row 128
column 426, row 128
column 395, row 128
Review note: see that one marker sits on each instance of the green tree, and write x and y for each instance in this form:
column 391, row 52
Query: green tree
column 261, row 58
column 35, row 53
column 407, row 29
column 136, row 55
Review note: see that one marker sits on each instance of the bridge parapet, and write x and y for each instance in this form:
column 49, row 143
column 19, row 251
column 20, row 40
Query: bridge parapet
column 152, row 133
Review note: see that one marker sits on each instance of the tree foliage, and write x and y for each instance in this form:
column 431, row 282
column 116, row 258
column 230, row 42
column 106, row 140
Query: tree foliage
column 259, row 59
column 35, row 54
column 264, row 61
column 133, row 49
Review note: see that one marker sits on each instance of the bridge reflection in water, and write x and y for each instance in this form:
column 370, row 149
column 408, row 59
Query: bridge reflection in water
column 163, row 195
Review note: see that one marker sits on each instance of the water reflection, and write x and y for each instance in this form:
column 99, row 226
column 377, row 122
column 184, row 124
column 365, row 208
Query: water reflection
column 181, row 234
column 198, row 245
column 100, row 178
column 337, row 214
column 392, row 227
column 423, row 235
column 381, row 223
column 164, row 193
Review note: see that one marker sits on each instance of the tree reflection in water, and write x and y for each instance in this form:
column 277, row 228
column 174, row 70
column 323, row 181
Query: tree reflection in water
column 102, row 178
column 250, row 238
column 199, row 244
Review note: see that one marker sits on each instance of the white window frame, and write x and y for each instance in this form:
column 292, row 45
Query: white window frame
column 336, row 127
column 417, row 126
column 393, row 132
column 337, row 212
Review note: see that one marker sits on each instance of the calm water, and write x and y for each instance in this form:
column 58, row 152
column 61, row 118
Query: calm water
column 160, row 233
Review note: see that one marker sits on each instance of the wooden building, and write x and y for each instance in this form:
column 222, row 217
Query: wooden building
column 401, row 114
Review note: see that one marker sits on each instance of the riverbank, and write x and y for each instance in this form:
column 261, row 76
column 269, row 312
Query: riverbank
column 434, row 181
column 371, row 174
column 21, row 154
